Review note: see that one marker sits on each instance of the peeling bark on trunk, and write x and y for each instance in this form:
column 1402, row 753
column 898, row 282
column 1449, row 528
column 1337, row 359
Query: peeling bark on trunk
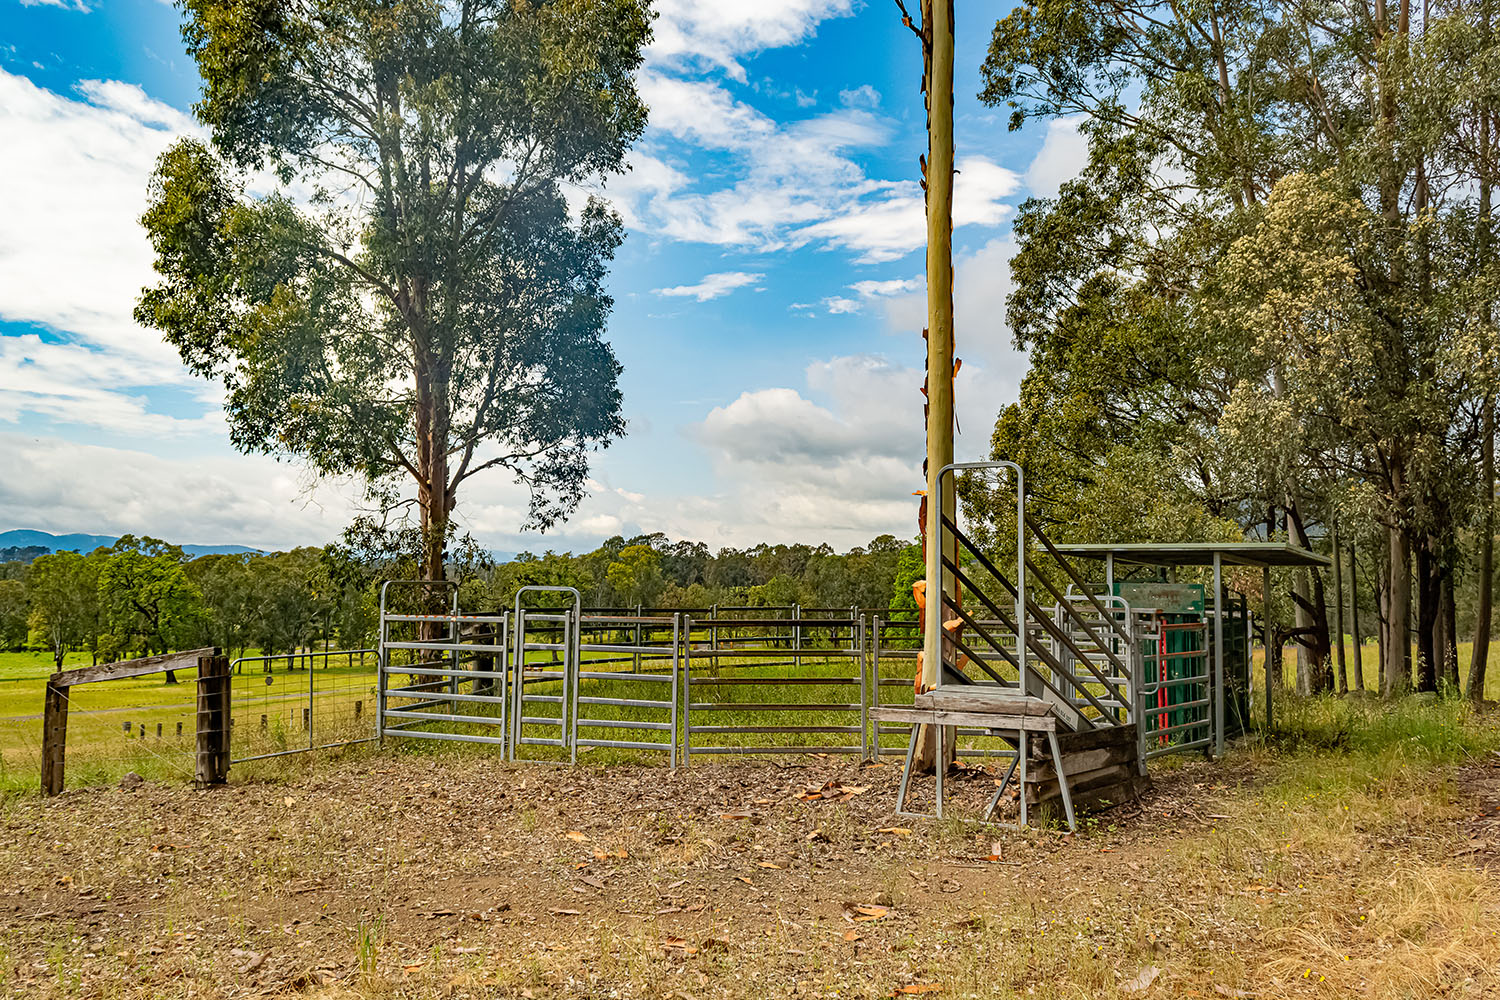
column 1396, row 675
column 1479, row 660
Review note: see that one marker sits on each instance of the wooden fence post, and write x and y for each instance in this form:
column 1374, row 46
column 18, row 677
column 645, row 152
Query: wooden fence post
column 54, row 738
column 213, row 720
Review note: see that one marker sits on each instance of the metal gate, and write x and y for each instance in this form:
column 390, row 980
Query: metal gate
column 452, row 689
column 729, row 685
column 610, row 697
column 542, row 689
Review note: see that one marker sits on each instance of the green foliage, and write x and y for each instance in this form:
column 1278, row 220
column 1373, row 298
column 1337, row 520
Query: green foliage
column 12, row 614
column 1266, row 300
column 651, row 570
column 412, row 301
column 147, row 602
column 635, row 576
column 909, row 569
column 63, row 592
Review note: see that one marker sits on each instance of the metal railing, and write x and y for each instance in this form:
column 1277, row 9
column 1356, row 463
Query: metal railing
column 729, row 691
column 275, row 711
column 682, row 685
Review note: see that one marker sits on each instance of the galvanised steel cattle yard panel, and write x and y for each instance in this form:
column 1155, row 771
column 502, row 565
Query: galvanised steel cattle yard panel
column 458, row 702
column 619, row 694
column 796, row 654
column 682, row 685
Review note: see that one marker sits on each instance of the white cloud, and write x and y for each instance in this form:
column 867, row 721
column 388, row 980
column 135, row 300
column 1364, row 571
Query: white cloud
column 881, row 289
column 863, row 96
column 894, row 224
column 794, row 183
column 841, row 470
column 1063, row 154
column 838, row 304
column 716, row 33
column 71, row 248
column 712, row 286
column 75, row 258
column 248, row 500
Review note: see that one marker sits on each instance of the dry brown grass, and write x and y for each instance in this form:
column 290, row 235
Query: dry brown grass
column 1359, row 866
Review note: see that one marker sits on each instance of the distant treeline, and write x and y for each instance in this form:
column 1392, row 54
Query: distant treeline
column 653, row 571
column 142, row 595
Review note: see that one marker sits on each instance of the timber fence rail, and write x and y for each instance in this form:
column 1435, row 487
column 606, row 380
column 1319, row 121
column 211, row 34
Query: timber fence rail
column 201, row 753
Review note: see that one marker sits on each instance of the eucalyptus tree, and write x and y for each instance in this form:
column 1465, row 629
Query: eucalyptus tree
column 382, row 248
column 63, row 592
column 1272, row 274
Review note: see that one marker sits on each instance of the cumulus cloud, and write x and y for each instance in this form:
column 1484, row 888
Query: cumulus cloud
column 71, row 249
column 880, row 289
column 699, row 34
column 74, row 256
column 796, row 183
column 247, row 500
column 863, row 96
column 895, row 223
column 835, row 459
column 981, row 284
column 712, row 286
column 1063, row 154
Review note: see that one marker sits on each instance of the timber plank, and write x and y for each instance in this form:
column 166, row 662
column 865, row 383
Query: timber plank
column 1081, row 783
column 1104, row 736
column 1081, row 762
column 979, row 720
column 158, row 664
column 974, row 698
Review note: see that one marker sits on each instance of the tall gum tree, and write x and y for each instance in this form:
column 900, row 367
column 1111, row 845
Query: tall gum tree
column 375, row 251
column 1156, row 292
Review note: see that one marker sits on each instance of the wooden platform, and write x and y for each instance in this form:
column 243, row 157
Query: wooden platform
column 1102, row 768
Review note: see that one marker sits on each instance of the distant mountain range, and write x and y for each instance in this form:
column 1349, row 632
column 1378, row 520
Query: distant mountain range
column 27, row 538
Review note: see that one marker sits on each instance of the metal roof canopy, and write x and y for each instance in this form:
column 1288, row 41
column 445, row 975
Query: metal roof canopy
column 1263, row 554
column 1218, row 555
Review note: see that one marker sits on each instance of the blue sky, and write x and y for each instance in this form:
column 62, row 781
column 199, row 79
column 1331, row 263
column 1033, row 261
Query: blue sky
column 768, row 296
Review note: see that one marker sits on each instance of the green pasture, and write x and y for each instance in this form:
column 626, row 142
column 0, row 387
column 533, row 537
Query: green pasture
column 146, row 725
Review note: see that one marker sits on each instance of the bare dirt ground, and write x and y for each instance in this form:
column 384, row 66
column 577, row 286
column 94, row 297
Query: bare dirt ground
column 419, row 874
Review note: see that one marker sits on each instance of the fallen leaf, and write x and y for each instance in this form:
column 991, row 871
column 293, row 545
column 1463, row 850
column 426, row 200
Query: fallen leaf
column 899, row 831
column 918, row 988
column 567, row 913
column 1142, row 982
column 863, row 913
column 852, row 935
column 744, row 880
column 770, row 864
column 577, row 835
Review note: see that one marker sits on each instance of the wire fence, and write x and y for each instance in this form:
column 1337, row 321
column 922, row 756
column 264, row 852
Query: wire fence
column 298, row 702
column 145, row 725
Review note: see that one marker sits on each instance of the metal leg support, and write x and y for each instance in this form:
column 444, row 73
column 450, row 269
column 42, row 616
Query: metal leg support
column 1062, row 781
column 939, row 767
column 1010, row 771
column 911, row 753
